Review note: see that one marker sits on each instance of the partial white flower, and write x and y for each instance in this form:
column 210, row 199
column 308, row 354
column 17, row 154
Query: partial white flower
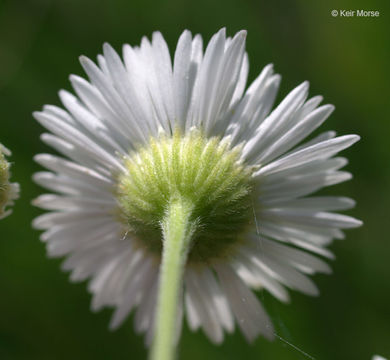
column 8, row 191
column 127, row 102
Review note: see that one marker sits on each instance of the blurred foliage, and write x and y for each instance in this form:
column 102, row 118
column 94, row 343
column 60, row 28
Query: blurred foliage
column 43, row 316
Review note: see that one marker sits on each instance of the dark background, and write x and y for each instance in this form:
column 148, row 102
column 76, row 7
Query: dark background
column 43, row 316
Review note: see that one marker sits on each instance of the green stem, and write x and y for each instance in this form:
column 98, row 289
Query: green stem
column 177, row 233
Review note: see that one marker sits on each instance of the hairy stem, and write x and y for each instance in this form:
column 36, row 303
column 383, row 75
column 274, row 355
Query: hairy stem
column 177, row 233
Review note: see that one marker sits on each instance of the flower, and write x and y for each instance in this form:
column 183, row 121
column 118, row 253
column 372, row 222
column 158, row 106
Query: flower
column 142, row 130
column 8, row 191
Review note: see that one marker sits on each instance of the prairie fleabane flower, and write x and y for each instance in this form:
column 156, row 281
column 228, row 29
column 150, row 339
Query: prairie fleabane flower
column 8, row 191
column 183, row 152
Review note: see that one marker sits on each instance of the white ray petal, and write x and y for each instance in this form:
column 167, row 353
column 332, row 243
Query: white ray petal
column 272, row 127
column 182, row 86
column 321, row 150
column 297, row 133
column 257, row 278
column 305, row 217
column 208, row 318
column 249, row 314
column 62, row 166
column 290, row 255
column 133, row 293
column 111, row 95
column 55, row 202
column 314, row 203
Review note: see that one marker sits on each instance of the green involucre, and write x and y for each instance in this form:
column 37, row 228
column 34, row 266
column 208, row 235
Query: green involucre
column 4, row 184
column 204, row 171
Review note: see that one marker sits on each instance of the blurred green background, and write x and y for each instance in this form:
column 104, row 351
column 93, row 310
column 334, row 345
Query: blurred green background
column 43, row 316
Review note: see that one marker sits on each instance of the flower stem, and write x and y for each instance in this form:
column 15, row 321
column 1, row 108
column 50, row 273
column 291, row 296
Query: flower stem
column 177, row 233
